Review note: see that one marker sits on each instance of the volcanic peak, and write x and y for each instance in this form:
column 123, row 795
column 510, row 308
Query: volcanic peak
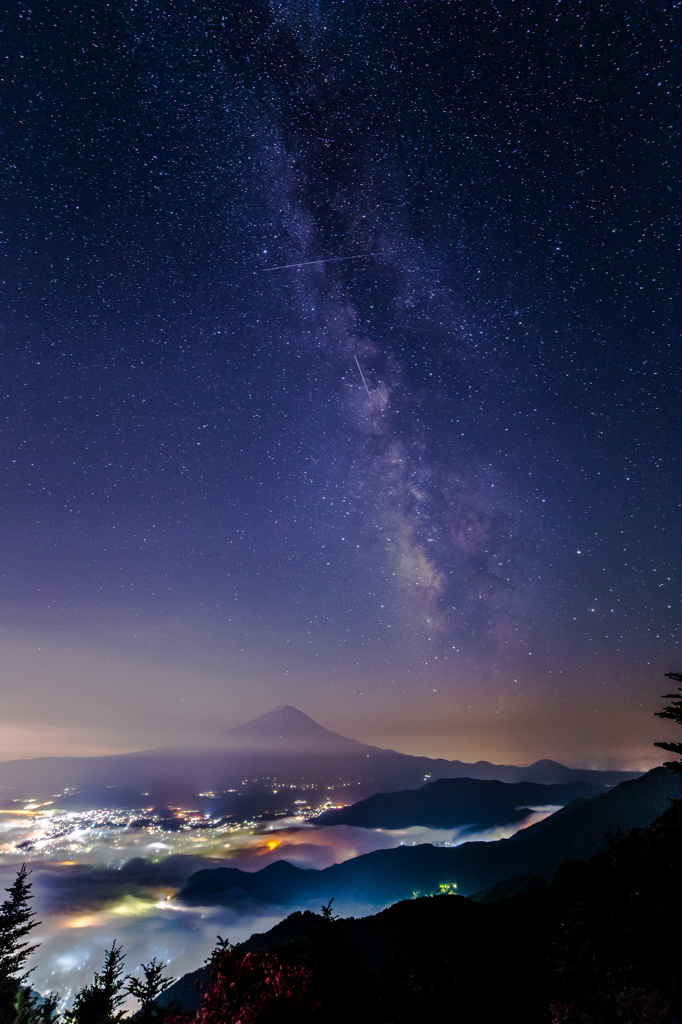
column 287, row 726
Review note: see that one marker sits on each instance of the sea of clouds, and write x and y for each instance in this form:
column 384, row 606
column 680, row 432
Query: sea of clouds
column 96, row 886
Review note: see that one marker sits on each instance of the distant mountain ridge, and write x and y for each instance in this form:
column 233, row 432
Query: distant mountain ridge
column 575, row 833
column 455, row 803
column 283, row 744
column 598, row 930
column 286, row 728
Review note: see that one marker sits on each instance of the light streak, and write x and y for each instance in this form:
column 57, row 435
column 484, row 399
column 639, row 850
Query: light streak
column 330, row 259
column 363, row 378
column 407, row 327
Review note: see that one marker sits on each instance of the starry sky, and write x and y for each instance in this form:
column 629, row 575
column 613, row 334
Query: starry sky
column 337, row 371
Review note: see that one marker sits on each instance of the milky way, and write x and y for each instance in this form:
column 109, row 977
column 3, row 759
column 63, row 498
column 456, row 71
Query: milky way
column 338, row 373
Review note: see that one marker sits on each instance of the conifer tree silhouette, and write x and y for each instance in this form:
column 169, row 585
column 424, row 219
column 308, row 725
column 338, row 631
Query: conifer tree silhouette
column 99, row 1003
column 16, row 922
column 147, row 991
column 674, row 712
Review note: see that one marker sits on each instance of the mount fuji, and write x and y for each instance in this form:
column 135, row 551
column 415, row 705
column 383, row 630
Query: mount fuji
column 282, row 746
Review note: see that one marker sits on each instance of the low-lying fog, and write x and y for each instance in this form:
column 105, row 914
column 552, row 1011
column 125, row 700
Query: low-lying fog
column 96, row 884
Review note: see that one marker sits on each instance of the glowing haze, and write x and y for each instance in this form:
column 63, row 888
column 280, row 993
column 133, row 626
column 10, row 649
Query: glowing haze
column 424, row 494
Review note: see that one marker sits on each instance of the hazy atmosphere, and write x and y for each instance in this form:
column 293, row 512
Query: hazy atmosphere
column 339, row 512
column 337, row 373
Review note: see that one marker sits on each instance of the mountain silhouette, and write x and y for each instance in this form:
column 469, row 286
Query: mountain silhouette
column 288, row 729
column 602, row 932
column 576, row 832
column 283, row 744
column 456, row 803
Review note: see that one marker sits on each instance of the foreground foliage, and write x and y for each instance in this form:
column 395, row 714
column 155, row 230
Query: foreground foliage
column 17, row 920
column 674, row 713
column 100, row 1002
column 253, row 988
column 600, row 945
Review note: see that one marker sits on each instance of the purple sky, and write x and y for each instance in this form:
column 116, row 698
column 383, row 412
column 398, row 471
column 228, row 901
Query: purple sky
column 425, row 495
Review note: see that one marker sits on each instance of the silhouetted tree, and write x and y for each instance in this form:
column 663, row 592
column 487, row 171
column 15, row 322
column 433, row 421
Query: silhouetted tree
column 48, row 1011
column 149, row 990
column 327, row 912
column 16, row 922
column 25, row 1006
column 34, row 1009
column 99, row 1003
column 674, row 712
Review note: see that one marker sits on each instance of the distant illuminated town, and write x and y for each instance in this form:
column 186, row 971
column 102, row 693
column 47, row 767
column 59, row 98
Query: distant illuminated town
column 42, row 830
column 102, row 872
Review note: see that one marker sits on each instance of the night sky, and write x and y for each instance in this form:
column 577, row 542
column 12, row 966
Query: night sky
column 423, row 491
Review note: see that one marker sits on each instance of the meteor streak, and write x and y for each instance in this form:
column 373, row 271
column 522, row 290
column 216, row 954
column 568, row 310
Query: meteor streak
column 330, row 259
column 363, row 378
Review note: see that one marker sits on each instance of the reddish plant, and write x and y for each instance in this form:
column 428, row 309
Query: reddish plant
column 252, row 988
column 630, row 1006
